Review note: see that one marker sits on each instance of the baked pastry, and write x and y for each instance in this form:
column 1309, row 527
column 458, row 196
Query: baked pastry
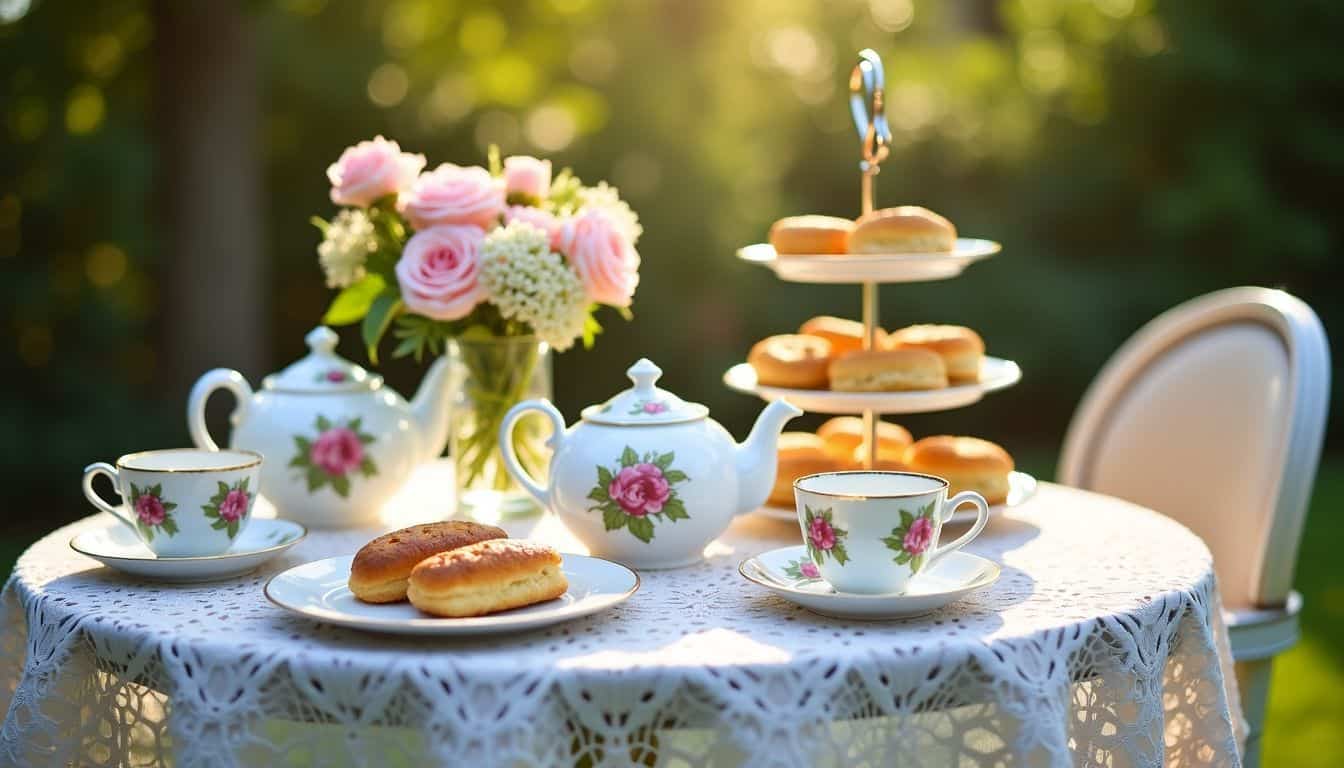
column 810, row 234
column 961, row 348
column 890, row 370
column 379, row 571
column 845, row 335
column 487, row 577
column 967, row 463
column 907, row 229
column 843, row 436
column 800, row 454
column 791, row 360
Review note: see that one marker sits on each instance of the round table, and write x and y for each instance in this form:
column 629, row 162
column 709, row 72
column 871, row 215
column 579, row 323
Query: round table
column 1101, row 644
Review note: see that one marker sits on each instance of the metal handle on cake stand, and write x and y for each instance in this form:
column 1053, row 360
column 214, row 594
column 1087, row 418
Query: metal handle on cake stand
column 866, row 85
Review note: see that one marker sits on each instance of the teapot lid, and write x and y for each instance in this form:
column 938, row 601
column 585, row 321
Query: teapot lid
column 322, row 370
column 644, row 403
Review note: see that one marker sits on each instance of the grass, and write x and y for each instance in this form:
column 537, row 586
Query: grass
column 1305, row 724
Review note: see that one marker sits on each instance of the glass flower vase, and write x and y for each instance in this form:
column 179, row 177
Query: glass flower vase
column 490, row 375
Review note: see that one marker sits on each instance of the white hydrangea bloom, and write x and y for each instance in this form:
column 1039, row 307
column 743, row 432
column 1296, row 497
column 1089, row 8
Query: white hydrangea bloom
column 608, row 198
column 350, row 238
column 526, row 281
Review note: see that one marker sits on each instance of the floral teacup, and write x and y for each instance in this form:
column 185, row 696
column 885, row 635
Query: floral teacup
column 872, row 532
column 181, row 502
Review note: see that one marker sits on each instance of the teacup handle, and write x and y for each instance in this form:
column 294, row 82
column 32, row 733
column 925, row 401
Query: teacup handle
column 515, row 413
column 103, row 468
column 981, row 519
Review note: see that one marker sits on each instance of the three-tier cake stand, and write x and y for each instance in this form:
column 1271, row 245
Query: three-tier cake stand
column 866, row 86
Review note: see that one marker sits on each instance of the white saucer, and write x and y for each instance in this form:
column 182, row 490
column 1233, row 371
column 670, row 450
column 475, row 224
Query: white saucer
column 318, row 591
column 947, row 581
column 117, row 547
column 995, row 374
column 1021, row 487
column 871, row 267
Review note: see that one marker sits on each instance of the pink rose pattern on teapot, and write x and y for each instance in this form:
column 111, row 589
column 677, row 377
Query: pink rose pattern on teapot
column 639, row 492
column 335, row 456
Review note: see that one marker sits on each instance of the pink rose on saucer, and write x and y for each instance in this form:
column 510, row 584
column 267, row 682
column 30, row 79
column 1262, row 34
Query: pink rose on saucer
column 605, row 261
column 821, row 533
column 370, row 170
column 537, row 217
column 527, row 177
column 234, row 505
column 335, row 451
column 451, row 194
column 640, row 490
column 809, row 570
column 919, row 537
column 150, row 510
column 439, row 272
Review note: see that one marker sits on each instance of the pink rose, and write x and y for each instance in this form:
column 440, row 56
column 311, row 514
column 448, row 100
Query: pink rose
column 234, row 505
column 451, row 194
column 541, row 219
column 336, row 451
column 821, row 534
column 606, row 262
column 336, row 376
column 919, row 537
column 809, row 570
column 654, row 406
column 439, row 272
column 527, row 177
column 371, row 169
column 150, row 510
column 640, row 490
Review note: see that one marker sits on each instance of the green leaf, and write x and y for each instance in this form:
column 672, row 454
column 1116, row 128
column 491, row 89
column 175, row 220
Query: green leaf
column 598, row 493
column 323, row 423
column 316, row 478
column 604, row 477
column 367, row 468
column 642, row 528
column 675, row 476
column 907, row 519
column 839, row 553
column 156, row 490
column 145, row 531
column 674, row 509
column 341, row 485
column 320, row 223
column 135, row 494
column 354, row 301
column 209, row 510
column 613, row 519
column 903, row 557
column 222, row 488
column 355, row 424
column 917, row 563
column 408, row 345
column 895, row 542
column 233, row 529
column 665, row 460
column 628, row 457
column 169, row 527
column 220, row 524
column 299, row 460
column 591, row 328
column 385, row 308
column 243, row 485
column 927, row 510
column 367, row 439
column 169, row 506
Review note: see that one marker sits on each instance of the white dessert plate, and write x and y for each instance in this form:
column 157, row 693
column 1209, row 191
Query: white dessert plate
column 950, row 579
column 995, row 374
column 117, row 547
column 1021, row 487
column 318, row 591
column 871, row 267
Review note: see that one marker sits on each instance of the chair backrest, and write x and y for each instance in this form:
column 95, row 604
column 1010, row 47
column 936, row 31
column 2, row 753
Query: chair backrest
column 1213, row 414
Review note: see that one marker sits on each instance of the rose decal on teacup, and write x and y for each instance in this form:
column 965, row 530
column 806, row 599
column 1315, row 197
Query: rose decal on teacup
column 152, row 511
column 334, row 455
column 824, row 539
column 638, row 492
column 229, row 506
column 913, row 537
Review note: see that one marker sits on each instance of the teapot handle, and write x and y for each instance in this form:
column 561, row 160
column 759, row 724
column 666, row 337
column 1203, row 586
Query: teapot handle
column 515, row 413
column 219, row 378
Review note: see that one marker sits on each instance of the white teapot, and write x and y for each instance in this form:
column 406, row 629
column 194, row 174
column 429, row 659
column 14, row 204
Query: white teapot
column 647, row 478
column 336, row 443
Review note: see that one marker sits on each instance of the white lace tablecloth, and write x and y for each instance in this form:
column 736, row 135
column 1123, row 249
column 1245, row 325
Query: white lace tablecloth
column 1100, row 645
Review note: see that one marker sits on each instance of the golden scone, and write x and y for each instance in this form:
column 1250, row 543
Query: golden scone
column 800, row 453
column 845, row 335
column 791, row 360
column 907, row 229
column 967, row 463
column 380, row 568
column 844, row 435
column 891, row 370
column 487, row 577
column 961, row 348
column 810, row 234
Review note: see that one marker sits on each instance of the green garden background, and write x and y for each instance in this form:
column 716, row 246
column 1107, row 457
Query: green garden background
column 159, row 162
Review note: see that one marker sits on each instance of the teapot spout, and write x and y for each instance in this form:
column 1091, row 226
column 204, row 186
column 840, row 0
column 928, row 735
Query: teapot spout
column 430, row 408
column 757, row 455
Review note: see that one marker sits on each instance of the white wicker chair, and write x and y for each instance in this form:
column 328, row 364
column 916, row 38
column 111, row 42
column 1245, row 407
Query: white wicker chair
column 1213, row 413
